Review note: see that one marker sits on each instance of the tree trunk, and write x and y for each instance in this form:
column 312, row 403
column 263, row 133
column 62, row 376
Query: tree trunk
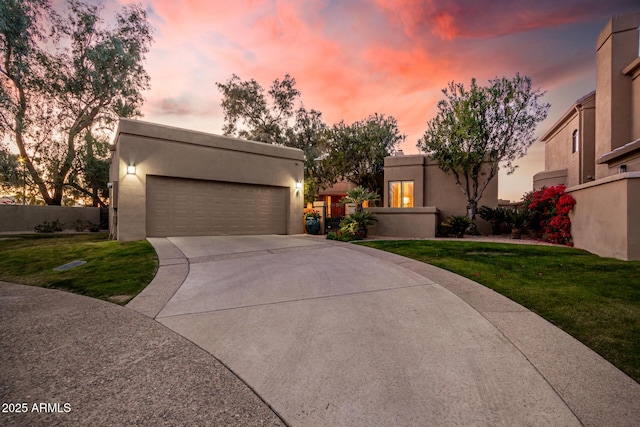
column 472, row 209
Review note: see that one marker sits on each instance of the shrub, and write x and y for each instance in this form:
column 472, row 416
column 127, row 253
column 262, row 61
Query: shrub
column 458, row 224
column 495, row 216
column 80, row 225
column 549, row 209
column 48, row 227
column 344, row 236
column 358, row 223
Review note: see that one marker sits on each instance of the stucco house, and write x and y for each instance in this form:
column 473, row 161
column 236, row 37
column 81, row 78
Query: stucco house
column 166, row 181
column 594, row 148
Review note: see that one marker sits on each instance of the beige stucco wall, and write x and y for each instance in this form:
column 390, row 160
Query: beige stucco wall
column 405, row 222
column 559, row 155
column 406, row 168
column 549, row 179
column 25, row 218
column 633, row 71
column 167, row 151
column 435, row 188
column 605, row 218
column 617, row 47
column 558, row 151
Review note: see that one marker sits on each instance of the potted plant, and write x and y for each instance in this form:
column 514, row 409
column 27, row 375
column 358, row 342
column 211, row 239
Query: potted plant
column 312, row 221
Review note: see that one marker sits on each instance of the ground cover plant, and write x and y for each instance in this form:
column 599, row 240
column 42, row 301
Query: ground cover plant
column 596, row 300
column 113, row 271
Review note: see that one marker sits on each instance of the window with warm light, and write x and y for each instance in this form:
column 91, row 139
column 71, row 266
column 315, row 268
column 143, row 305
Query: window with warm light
column 401, row 194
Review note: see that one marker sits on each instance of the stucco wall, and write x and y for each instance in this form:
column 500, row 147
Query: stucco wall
column 605, row 218
column 634, row 73
column 25, row 218
column 549, row 179
column 173, row 152
column 558, row 151
column 405, row 222
column 617, row 47
column 406, row 168
column 433, row 187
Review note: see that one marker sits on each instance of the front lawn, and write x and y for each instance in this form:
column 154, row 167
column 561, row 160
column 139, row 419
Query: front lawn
column 113, row 271
column 597, row 300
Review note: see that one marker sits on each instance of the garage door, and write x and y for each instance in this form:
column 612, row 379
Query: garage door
column 187, row 207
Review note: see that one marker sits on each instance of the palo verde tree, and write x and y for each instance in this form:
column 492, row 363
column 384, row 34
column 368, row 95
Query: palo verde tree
column 63, row 77
column 249, row 114
column 356, row 152
column 475, row 130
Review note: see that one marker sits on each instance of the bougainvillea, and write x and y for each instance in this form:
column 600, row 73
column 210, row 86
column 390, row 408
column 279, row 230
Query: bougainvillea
column 549, row 210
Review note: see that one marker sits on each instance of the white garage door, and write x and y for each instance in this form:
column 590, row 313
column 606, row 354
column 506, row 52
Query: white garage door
column 187, row 207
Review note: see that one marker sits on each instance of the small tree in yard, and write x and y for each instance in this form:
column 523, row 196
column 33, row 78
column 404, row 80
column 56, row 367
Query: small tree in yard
column 477, row 129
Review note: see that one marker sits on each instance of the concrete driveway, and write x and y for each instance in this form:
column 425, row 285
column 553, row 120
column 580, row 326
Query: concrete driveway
column 337, row 334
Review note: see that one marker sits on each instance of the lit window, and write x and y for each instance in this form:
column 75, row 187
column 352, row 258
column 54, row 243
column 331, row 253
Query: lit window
column 401, row 194
column 575, row 141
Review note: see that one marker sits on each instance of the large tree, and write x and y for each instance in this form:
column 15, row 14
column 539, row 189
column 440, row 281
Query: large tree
column 63, row 77
column 308, row 134
column 10, row 171
column 356, row 152
column 478, row 129
column 249, row 114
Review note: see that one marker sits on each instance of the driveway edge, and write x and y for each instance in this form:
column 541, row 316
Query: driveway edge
column 173, row 269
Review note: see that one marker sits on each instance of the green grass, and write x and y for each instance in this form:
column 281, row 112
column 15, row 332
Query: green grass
column 113, row 271
column 596, row 300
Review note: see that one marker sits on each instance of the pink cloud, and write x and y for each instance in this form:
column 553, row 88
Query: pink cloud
column 351, row 59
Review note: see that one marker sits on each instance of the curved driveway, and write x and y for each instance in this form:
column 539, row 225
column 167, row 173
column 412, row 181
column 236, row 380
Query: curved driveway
column 337, row 334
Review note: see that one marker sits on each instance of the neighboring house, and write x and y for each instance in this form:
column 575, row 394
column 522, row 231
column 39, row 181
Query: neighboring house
column 569, row 155
column 332, row 198
column 594, row 149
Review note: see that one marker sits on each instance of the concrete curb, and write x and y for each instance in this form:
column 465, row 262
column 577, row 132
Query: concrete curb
column 172, row 271
column 597, row 392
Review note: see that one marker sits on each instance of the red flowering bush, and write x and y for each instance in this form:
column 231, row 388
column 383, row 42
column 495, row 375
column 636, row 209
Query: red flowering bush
column 549, row 210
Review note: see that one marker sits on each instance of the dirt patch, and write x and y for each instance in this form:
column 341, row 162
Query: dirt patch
column 119, row 298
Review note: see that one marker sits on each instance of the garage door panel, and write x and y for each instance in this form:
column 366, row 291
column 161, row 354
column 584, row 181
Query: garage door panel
column 183, row 207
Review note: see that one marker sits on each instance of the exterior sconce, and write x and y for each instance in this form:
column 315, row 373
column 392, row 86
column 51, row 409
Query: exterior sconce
column 131, row 169
column 298, row 185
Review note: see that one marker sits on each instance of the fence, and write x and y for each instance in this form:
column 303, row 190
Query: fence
column 26, row 217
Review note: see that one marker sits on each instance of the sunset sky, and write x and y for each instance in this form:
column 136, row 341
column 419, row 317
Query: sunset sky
column 353, row 58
